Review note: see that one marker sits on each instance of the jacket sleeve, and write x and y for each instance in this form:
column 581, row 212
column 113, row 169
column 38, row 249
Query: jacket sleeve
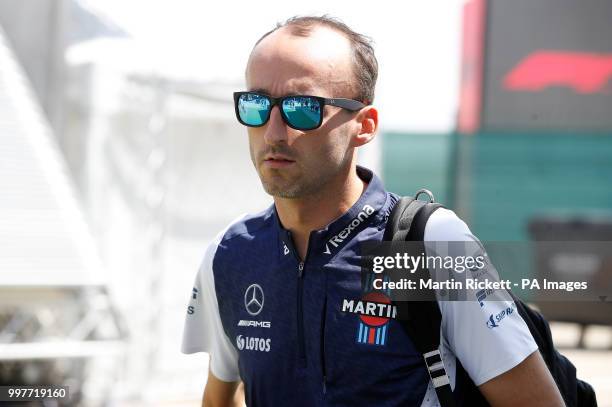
column 203, row 330
column 488, row 336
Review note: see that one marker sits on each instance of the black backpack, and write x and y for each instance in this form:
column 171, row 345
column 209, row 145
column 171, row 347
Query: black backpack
column 422, row 319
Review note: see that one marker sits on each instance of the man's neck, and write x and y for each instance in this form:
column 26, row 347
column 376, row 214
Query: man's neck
column 314, row 212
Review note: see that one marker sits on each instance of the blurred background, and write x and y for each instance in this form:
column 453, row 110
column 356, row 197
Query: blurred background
column 120, row 158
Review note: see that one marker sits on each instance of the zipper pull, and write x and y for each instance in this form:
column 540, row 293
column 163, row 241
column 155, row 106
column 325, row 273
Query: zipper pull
column 300, row 269
column 324, row 384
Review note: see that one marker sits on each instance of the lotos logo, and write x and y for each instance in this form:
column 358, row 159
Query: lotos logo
column 240, row 342
column 375, row 311
column 252, row 343
column 336, row 240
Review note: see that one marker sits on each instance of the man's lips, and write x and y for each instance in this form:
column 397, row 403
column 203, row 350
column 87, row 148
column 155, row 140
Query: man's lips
column 278, row 161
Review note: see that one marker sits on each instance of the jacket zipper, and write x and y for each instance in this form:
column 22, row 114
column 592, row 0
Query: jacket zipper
column 300, row 306
column 300, row 316
column 323, row 344
column 300, row 312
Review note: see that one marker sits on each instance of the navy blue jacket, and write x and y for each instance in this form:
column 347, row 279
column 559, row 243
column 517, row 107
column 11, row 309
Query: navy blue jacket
column 295, row 330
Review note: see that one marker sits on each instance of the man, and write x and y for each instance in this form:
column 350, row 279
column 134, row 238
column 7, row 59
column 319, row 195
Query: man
column 268, row 299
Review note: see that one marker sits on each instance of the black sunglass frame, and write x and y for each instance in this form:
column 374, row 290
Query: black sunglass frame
column 348, row 104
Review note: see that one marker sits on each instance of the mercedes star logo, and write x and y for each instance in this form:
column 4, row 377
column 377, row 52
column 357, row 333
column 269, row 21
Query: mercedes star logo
column 254, row 299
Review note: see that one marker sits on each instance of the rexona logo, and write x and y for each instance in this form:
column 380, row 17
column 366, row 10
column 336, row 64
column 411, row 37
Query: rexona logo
column 336, row 240
column 375, row 310
column 256, row 324
column 252, row 343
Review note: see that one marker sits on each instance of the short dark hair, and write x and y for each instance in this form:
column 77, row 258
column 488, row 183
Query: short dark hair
column 365, row 65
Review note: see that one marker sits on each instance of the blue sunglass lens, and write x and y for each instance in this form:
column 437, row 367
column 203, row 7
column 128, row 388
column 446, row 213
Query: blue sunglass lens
column 253, row 109
column 303, row 113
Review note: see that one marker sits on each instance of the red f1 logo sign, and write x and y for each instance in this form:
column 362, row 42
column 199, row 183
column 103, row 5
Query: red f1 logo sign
column 582, row 71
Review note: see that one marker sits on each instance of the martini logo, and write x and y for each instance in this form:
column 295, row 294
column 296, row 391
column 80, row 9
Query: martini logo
column 584, row 72
column 336, row 240
column 375, row 311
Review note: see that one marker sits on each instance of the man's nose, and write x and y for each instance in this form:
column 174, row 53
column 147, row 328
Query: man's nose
column 275, row 129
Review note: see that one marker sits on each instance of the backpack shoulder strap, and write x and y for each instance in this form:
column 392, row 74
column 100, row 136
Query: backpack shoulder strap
column 400, row 218
column 404, row 213
column 421, row 319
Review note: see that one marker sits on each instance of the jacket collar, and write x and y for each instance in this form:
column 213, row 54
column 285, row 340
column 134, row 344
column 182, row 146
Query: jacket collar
column 328, row 241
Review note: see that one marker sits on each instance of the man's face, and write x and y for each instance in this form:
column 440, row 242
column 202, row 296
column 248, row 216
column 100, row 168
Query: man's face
column 293, row 163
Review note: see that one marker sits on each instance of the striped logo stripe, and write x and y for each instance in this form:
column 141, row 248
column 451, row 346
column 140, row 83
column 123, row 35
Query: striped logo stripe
column 373, row 335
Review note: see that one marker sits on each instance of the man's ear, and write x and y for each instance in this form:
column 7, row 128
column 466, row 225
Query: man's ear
column 367, row 123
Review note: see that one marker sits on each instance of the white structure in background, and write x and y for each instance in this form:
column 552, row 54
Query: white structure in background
column 57, row 320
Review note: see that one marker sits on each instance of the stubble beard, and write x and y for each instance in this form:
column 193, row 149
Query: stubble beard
column 300, row 181
column 277, row 184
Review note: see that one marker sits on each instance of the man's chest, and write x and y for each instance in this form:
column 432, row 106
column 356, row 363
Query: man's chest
column 323, row 318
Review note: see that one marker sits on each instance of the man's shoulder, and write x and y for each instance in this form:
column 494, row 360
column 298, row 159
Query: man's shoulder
column 445, row 225
column 247, row 226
